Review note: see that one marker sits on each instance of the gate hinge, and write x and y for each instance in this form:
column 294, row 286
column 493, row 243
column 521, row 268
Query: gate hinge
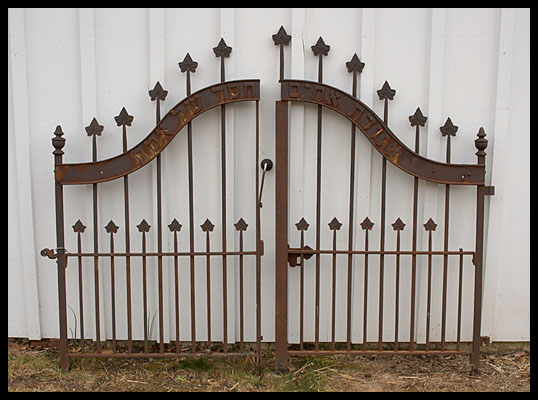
column 485, row 340
column 261, row 247
column 50, row 253
column 490, row 190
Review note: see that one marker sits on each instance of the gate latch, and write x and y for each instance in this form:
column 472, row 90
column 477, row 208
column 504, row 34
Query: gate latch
column 294, row 258
column 54, row 255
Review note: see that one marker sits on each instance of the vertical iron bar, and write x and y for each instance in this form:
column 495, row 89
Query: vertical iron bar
column 301, row 311
column 145, row 292
column 460, row 284
column 281, row 238
column 397, row 305
column 61, row 261
column 350, row 221
column 127, row 250
column 191, row 223
column 428, row 304
column 113, row 292
column 160, row 239
column 223, row 199
column 481, row 144
column 365, row 292
column 258, row 246
column 80, row 293
column 176, row 281
column 241, row 316
column 96, row 250
column 382, row 237
column 414, row 248
column 333, row 322
column 208, row 282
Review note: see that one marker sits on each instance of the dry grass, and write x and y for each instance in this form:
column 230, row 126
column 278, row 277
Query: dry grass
column 37, row 369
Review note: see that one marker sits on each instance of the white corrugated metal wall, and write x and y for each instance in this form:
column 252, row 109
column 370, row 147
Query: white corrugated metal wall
column 66, row 66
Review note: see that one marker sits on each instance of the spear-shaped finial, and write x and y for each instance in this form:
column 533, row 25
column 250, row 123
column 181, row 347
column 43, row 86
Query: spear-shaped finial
column 398, row 225
column 207, row 226
column 320, row 49
column 302, row 225
column 111, row 227
column 79, row 227
column 175, row 226
column 94, row 130
column 366, row 224
column 241, row 225
column 143, row 226
column 430, row 225
column 157, row 94
column 123, row 119
column 335, row 224
column 188, row 65
column 386, row 93
column 448, row 130
column 222, row 50
column 355, row 65
column 281, row 39
column 417, row 120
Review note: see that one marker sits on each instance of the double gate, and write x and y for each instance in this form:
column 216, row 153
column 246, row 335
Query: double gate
column 361, row 118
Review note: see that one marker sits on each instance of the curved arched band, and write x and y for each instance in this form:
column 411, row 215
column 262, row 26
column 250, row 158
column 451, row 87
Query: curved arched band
column 380, row 135
column 141, row 154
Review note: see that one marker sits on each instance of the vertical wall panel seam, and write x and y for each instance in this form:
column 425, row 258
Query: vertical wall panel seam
column 497, row 176
column 21, row 125
column 88, row 81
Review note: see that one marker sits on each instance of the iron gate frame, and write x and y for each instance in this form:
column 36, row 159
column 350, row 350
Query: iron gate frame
column 129, row 161
column 391, row 148
column 323, row 96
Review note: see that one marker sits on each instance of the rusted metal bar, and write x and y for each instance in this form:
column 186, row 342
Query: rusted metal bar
column 124, row 120
column 144, row 227
column 207, row 227
column 112, row 228
column 223, row 51
column 281, row 39
column 175, row 227
column 417, row 120
column 184, row 253
column 448, row 130
column 259, row 248
column 398, row 226
column 308, row 353
column 94, row 130
column 58, row 143
column 355, row 66
column 481, row 144
column 302, row 226
column 319, row 49
column 460, row 284
column 366, row 225
column 241, row 226
column 334, row 225
column 79, row 228
column 386, row 94
column 281, row 238
column 429, row 226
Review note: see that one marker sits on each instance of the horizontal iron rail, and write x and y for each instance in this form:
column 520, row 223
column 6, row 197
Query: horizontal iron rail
column 375, row 352
column 165, row 254
column 160, row 355
column 389, row 252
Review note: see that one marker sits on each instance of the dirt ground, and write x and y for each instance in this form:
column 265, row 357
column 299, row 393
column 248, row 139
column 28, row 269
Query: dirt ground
column 503, row 368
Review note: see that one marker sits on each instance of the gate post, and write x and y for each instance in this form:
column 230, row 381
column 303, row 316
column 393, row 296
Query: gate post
column 281, row 238
column 58, row 142
column 481, row 143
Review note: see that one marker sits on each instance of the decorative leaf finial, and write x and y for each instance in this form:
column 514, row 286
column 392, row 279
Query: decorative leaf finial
column 335, row 224
column 320, row 47
column 187, row 64
column 417, row 118
column 430, row 225
column 143, row 226
column 398, row 225
column 386, row 92
column 222, row 50
column 281, row 37
column 448, row 128
column 175, row 226
column 481, row 143
column 302, row 225
column 158, row 92
column 79, row 227
column 123, row 118
column 367, row 224
column 94, row 128
column 111, row 227
column 241, row 225
column 355, row 65
column 207, row 226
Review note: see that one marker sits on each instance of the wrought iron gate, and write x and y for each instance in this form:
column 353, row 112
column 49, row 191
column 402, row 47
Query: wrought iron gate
column 361, row 117
column 385, row 142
